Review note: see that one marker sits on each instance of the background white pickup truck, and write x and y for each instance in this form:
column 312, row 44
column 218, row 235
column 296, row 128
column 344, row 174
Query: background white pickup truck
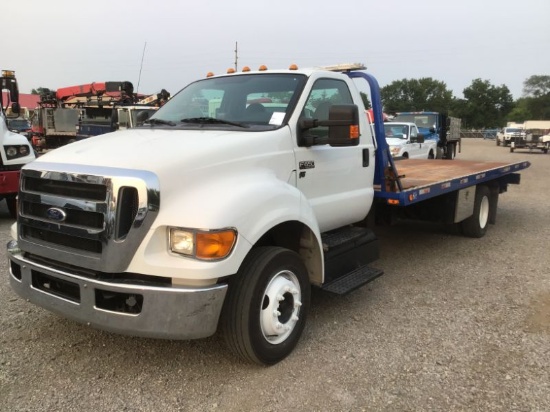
column 406, row 141
column 505, row 135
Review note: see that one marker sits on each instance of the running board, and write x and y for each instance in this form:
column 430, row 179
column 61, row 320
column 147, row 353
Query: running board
column 352, row 280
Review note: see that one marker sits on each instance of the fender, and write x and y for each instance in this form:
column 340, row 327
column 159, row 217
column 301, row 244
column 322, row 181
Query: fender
column 252, row 201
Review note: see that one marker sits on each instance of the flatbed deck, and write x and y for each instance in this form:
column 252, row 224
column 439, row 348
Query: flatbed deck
column 423, row 179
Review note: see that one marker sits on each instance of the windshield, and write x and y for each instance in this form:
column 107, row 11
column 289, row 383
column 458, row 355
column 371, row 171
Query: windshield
column 19, row 124
column 510, row 130
column 259, row 101
column 396, row 131
column 421, row 120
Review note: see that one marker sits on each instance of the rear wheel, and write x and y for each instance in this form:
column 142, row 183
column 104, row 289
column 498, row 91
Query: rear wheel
column 476, row 225
column 450, row 151
column 266, row 305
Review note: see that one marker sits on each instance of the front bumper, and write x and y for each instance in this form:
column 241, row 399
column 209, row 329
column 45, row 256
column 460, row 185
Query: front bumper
column 168, row 312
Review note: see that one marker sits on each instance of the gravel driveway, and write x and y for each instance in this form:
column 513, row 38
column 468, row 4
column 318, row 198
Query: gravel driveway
column 455, row 324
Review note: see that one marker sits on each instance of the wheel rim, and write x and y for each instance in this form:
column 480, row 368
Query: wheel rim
column 483, row 212
column 280, row 307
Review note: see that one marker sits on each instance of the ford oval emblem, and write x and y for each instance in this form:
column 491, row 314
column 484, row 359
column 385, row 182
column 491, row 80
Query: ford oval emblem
column 54, row 213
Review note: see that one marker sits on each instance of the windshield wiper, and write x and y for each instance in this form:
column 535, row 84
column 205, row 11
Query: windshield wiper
column 212, row 120
column 160, row 121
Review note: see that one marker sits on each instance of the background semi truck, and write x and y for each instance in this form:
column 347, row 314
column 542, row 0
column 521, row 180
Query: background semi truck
column 224, row 216
column 15, row 149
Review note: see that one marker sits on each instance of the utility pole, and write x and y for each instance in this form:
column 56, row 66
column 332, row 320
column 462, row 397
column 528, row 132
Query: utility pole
column 236, row 57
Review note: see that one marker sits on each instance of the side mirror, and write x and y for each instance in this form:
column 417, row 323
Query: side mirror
column 418, row 139
column 343, row 125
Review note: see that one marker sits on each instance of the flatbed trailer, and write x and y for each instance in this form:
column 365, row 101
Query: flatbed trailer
column 425, row 179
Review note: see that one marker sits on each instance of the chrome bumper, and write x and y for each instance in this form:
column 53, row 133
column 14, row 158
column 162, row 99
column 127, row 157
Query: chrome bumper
column 169, row 312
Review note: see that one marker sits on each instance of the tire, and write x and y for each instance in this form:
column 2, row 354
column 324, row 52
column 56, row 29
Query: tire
column 431, row 155
column 450, row 155
column 498, row 142
column 476, row 225
column 266, row 306
column 11, row 203
column 511, row 149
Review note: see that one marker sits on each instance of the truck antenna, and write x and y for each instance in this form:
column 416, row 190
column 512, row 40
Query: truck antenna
column 141, row 66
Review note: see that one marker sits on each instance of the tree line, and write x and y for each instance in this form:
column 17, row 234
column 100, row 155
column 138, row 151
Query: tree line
column 484, row 105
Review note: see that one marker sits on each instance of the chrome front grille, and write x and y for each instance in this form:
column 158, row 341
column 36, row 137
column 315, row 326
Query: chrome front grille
column 90, row 217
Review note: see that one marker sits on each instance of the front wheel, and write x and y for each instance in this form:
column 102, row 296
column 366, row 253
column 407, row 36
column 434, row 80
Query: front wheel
column 476, row 225
column 266, row 305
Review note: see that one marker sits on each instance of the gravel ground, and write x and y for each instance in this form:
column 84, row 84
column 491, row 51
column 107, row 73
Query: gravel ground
column 455, row 324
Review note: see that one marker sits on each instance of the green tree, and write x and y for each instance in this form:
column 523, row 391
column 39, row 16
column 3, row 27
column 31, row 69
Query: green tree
column 536, row 100
column 366, row 101
column 520, row 112
column 416, row 94
column 484, row 105
column 42, row 90
column 536, row 86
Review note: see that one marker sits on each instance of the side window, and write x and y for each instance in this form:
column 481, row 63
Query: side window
column 324, row 94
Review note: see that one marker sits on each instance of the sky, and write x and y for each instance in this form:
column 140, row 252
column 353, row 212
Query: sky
column 166, row 44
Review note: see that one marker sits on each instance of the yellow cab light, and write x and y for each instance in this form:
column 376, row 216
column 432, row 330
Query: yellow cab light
column 293, row 67
column 215, row 245
column 209, row 74
column 393, row 201
column 8, row 73
column 354, row 131
column 262, row 68
column 246, row 69
column 231, row 70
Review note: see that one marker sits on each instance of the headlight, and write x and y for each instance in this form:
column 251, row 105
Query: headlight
column 11, row 151
column 395, row 150
column 15, row 151
column 206, row 245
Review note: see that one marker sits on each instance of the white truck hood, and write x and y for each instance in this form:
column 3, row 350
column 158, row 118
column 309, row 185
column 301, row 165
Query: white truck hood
column 395, row 141
column 158, row 150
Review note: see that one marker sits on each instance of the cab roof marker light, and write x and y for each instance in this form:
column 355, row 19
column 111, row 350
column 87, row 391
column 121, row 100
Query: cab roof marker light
column 209, row 74
column 293, row 67
column 246, row 69
column 262, row 68
column 231, row 70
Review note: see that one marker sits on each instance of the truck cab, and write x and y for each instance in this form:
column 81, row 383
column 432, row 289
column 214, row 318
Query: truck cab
column 405, row 141
column 506, row 134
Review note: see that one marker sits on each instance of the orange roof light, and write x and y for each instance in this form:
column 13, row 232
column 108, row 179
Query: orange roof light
column 263, row 68
column 231, row 70
column 293, row 67
column 246, row 69
column 209, row 74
